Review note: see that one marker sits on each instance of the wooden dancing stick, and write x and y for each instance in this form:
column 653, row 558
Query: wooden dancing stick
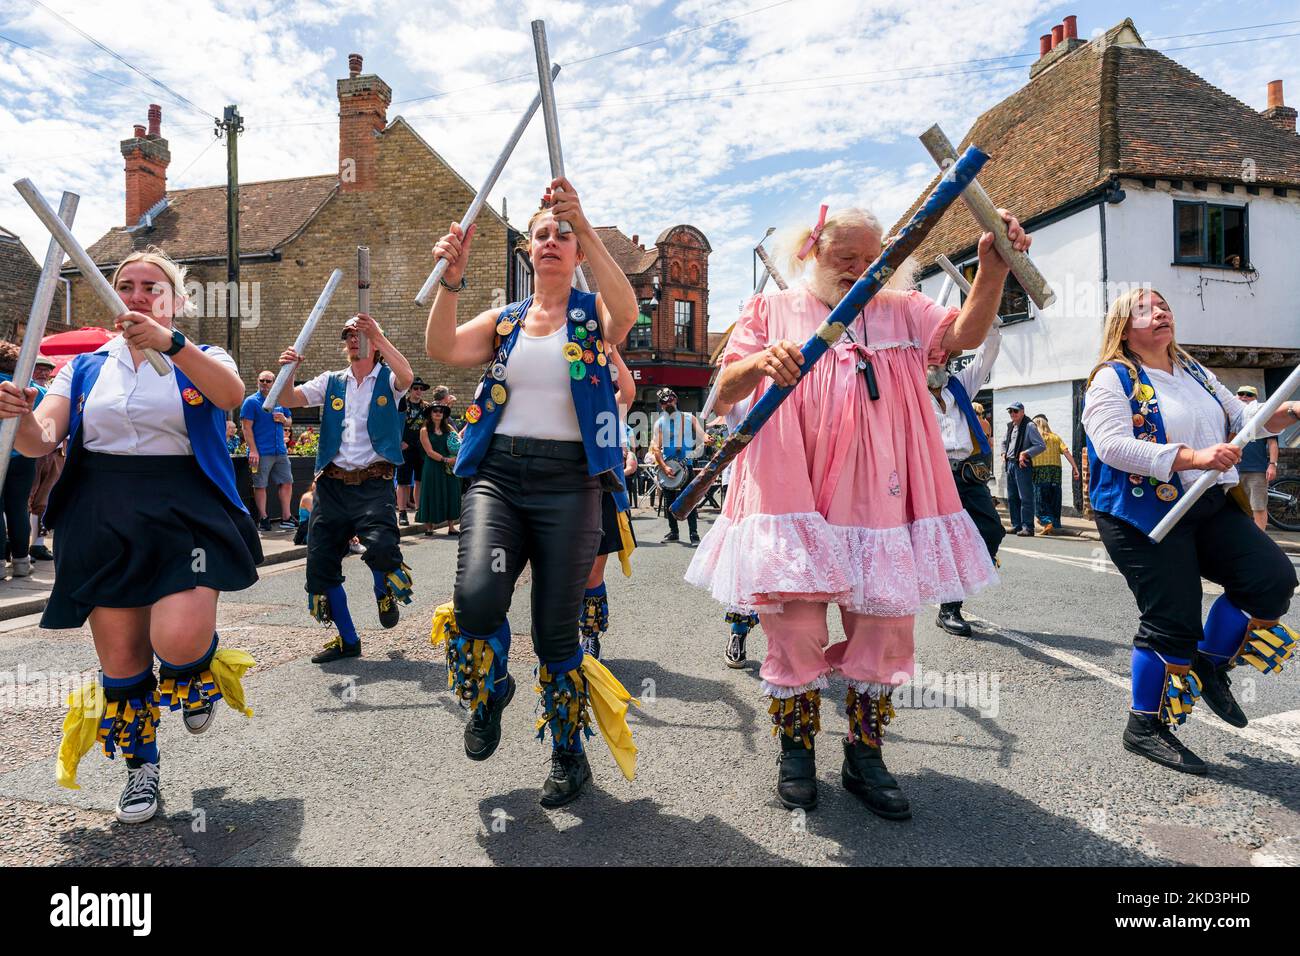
column 37, row 319
column 1263, row 412
column 81, row 259
column 986, row 215
column 304, row 337
column 363, row 294
column 769, row 269
column 481, row 196
column 549, row 115
column 950, row 186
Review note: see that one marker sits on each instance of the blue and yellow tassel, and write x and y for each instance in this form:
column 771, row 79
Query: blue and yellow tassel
column 400, row 583
column 127, row 725
column 1267, row 647
column 1181, row 693
column 318, row 605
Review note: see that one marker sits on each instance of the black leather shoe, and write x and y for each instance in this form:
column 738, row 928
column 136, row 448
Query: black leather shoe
column 1216, row 691
column 695, row 539
column 670, row 536
column 483, row 732
column 336, row 650
column 42, row 553
column 864, row 775
column 950, row 619
column 1147, row 736
column 570, row 772
column 389, row 615
column 796, row 780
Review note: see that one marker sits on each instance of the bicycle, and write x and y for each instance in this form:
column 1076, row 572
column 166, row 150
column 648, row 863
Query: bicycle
column 1284, row 503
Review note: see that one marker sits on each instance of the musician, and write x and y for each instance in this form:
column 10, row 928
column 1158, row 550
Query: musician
column 1156, row 420
column 845, row 499
column 358, row 452
column 541, row 445
column 966, row 444
column 616, row 534
column 151, row 528
column 676, row 437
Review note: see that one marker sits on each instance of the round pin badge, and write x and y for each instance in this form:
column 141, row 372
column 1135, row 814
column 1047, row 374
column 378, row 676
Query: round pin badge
column 478, row 391
column 1145, row 393
column 499, row 394
column 1153, row 481
column 601, row 360
column 1138, row 421
column 488, row 406
column 337, row 404
column 580, row 333
column 572, row 351
column 499, row 372
column 505, row 327
column 577, row 371
column 473, row 414
column 1166, row 492
column 592, row 325
column 589, row 356
column 577, row 314
column 1135, row 479
column 600, row 345
column 1138, row 491
column 381, row 401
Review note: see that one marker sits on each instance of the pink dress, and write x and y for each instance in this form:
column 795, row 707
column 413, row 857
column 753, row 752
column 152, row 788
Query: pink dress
column 841, row 499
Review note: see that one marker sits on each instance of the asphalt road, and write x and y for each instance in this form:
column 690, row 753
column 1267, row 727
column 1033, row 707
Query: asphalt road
column 362, row 762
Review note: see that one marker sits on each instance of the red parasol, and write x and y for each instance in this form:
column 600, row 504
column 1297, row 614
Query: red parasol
column 76, row 341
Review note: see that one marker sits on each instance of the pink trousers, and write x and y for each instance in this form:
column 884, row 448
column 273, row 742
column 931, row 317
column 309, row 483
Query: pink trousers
column 879, row 650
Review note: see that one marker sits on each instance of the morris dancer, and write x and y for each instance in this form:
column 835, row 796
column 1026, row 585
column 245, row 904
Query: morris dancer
column 845, row 499
column 360, row 448
column 967, row 448
column 152, row 527
column 542, row 436
column 1155, row 421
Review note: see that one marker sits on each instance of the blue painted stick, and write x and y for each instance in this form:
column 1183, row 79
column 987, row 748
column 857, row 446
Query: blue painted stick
column 958, row 176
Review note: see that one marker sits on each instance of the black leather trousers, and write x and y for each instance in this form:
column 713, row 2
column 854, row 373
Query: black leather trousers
column 530, row 507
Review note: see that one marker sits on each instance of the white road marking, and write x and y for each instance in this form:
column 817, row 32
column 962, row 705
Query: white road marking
column 1282, row 734
column 1093, row 564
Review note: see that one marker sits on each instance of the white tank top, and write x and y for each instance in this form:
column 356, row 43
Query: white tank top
column 539, row 398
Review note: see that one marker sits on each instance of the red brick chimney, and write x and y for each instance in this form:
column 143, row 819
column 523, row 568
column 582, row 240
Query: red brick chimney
column 363, row 114
column 147, row 159
column 1278, row 112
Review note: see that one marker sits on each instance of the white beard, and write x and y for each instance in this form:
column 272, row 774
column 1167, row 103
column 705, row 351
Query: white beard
column 826, row 287
column 936, row 377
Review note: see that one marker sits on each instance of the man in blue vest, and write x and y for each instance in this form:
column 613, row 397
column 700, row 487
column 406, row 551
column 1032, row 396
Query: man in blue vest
column 967, row 448
column 360, row 448
column 678, row 437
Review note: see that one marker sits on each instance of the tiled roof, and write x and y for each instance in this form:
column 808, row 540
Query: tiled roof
column 193, row 225
column 631, row 258
column 1104, row 110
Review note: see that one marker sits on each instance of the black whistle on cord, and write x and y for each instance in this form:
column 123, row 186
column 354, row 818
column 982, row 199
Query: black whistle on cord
column 873, row 389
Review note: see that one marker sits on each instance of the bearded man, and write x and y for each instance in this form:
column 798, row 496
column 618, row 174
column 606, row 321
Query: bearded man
column 845, row 497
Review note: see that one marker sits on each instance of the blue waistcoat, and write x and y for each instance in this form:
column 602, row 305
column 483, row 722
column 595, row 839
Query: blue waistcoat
column 1140, row 500
column 589, row 382
column 972, row 420
column 205, row 423
column 383, row 422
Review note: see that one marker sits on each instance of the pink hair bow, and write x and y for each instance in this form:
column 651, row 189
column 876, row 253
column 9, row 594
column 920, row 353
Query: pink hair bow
column 815, row 234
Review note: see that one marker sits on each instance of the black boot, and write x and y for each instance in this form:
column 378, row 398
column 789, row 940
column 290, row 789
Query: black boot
column 336, row 650
column 864, row 775
column 570, row 773
column 796, row 780
column 1216, row 690
column 950, row 619
column 389, row 614
column 1147, row 736
column 483, row 732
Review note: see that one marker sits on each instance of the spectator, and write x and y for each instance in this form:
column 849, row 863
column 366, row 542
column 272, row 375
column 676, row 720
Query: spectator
column 233, row 441
column 1047, row 476
column 414, row 412
column 48, row 469
column 439, row 488
column 1020, row 444
column 1258, row 465
column 18, row 485
column 268, row 458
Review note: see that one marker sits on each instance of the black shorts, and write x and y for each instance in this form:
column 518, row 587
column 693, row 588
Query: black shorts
column 611, row 541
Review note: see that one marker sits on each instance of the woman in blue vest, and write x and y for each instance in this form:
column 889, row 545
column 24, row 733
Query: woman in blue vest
column 357, row 455
column 150, row 526
column 541, row 441
column 1156, row 420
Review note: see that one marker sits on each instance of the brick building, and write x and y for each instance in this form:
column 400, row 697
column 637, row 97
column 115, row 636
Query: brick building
column 669, row 345
column 392, row 191
column 19, row 274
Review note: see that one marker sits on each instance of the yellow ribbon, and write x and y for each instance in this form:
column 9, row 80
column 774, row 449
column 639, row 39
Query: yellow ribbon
column 628, row 542
column 609, row 700
column 85, row 708
column 228, row 667
column 444, row 623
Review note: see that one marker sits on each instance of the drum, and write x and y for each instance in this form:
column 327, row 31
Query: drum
column 674, row 475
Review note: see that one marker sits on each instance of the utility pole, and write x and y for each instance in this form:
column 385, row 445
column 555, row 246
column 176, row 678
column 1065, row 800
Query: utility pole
column 231, row 125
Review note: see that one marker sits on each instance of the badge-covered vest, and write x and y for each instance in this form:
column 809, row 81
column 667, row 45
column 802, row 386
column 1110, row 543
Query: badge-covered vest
column 383, row 422
column 1140, row 500
column 205, row 423
column 589, row 382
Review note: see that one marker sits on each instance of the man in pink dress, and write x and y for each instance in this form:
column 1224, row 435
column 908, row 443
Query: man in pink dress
column 844, row 499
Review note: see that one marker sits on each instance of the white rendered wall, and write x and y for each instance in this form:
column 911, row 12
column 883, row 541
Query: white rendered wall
column 1053, row 399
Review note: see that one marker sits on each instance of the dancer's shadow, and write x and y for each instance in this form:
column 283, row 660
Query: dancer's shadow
column 1275, row 779
column 1069, row 642
column 649, row 680
column 429, row 678
column 518, row 832
column 959, row 822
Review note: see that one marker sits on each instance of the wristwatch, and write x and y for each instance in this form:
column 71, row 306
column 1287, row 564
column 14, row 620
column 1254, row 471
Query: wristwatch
column 178, row 342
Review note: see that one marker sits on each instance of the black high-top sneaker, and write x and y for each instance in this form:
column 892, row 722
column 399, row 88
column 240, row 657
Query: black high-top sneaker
column 796, row 780
column 1216, row 690
column 483, row 732
column 865, row 776
column 570, row 773
column 1147, row 736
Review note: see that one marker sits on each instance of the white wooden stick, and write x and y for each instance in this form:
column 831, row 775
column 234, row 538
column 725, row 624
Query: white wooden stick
column 363, row 295
column 304, row 337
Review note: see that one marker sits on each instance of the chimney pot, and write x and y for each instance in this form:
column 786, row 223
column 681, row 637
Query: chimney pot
column 139, row 131
column 354, row 64
column 155, row 120
column 1071, row 25
column 1275, row 94
column 636, row 240
column 1058, row 34
column 1044, row 44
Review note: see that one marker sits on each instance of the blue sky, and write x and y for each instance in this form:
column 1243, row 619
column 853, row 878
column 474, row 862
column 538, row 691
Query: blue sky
column 731, row 126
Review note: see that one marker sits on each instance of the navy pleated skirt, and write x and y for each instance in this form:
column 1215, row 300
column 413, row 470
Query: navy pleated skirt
column 131, row 529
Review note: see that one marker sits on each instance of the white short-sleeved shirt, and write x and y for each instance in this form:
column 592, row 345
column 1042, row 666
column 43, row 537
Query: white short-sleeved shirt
column 133, row 411
column 953, row 426
column 355, row 450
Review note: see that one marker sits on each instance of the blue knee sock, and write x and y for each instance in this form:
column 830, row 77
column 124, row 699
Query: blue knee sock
column 1149, row 679
column 381, row 582
column 144, row 753
column 338, row 599
column 212, row 649
column 1225, row 628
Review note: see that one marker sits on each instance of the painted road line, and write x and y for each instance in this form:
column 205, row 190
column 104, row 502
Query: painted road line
column 1279, row 739
column 1100, row 563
